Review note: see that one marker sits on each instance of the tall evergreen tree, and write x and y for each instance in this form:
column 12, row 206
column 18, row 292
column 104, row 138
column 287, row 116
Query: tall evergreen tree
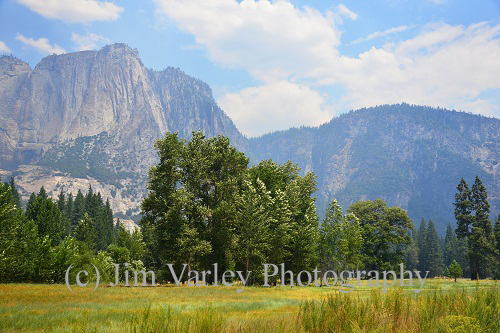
column 44, row 212
column 412, row 254
column 463, row 215
column 16, row 197
column 78, row 209
column 434, row 256
column 422, row 246
column 450, row 246
column 85, row 231
column 497, row 234
column 483, row 239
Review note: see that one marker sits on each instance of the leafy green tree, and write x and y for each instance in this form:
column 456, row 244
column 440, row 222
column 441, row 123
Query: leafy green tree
column 252, row 227
column 455, row 270
column 304, row 244
column 194, row 185
column 385, row 232
column 434, row 256
column 340, row 240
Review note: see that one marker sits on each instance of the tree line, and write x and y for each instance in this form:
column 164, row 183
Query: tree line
column 206, row 205
column 39, row 242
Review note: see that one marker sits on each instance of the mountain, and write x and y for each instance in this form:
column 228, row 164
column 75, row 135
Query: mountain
column 92, row 117
column 411, row 156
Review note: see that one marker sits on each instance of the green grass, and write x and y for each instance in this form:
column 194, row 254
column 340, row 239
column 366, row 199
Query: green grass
column 443, row 306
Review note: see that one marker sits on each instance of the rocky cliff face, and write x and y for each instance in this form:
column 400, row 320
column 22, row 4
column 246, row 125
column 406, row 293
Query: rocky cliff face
column 98, row 114
column 91, row 118
column 411, row 156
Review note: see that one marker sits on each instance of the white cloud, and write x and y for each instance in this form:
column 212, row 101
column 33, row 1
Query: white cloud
column 378, row 34
column 90, row 41
column 41, row 44
column 343, row 10
column 275, row 106
column 447, row 66
column 77, row 11
column 270, row 40
column 442, row 65
column 4, row 48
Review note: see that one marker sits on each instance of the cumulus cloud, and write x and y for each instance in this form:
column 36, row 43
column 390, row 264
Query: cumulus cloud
column 275, row 106
column 379, row 34
column 4, row 48
column 75, row 11
column 285, row 47
column 89, row 41
column 42, row 45
column 271, row 40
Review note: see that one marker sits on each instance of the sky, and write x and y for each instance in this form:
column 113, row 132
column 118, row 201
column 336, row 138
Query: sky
column 273, row 65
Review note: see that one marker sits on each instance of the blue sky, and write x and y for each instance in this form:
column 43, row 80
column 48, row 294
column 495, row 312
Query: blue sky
column 278, row 64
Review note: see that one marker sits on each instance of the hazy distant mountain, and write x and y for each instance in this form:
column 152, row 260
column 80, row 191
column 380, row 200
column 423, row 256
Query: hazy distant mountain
column 93, row 117
column 411, row 156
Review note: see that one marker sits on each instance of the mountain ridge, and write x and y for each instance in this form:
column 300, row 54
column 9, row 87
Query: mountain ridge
column 91, row 118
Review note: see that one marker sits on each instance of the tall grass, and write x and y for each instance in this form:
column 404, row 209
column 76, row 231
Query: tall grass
column 442, row 306
column 399, row 311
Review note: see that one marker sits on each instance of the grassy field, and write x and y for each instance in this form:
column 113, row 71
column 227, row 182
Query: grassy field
column 443, row 306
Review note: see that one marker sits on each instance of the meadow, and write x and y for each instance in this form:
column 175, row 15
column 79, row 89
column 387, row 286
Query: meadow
column 443, row 306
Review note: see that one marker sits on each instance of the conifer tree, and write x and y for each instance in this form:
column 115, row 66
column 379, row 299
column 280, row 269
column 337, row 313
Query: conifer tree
column 85, row 231
column 434, row 256
column 450, row 246
column 422, row 246
column 463, row 214
column 482, row 239
column 78, row 209
column 455, row 270
column 15, row 193
column 44, row 212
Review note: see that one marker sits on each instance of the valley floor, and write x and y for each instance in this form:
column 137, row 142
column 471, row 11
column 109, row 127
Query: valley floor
column 443, row 306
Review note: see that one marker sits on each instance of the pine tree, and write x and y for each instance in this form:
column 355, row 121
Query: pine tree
column 15, row 193
column 61, row 205
column 44, row 212
column 482, row 239
column 30, row 203
column 463, row 214
column 78, row 209
column 42, row 193
column 497, row 233
column 433, row 251
column 412, row 254
column 422, row 246
column 450, row 246
column 455, row 270
column 85, row 232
